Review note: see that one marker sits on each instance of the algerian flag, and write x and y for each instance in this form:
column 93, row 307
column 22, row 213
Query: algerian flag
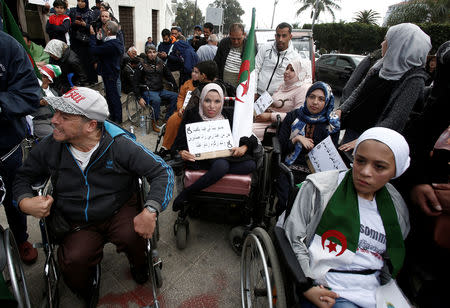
column 245, row 91
column 10, row 26
column 336, row 238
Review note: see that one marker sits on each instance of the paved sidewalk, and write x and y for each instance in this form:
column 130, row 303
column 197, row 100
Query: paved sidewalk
column 205, row 274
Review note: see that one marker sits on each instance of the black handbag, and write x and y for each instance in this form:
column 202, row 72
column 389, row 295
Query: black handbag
column 81, row 36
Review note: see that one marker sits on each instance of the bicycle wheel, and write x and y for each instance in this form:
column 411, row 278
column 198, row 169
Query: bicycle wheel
column 261, row 280
column 133, row 108
column 16, row 273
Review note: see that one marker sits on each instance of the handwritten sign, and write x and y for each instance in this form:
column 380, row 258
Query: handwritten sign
column 209, row 139
column 262, row 103
column 324, row 156
column 187, row 98
column 41, row 2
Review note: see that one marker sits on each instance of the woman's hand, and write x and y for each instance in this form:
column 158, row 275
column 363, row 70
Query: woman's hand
column 185, row 155
column 240, row 151
column 263, row 117
column 92, row 30
column 321, row 297
column 142, row 102
column 180, row 112
column 348, row 146
column 338, row 113
column 307, row 143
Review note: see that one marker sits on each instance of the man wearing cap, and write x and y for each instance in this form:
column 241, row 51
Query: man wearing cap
column 93, row 165
column 197, row 40
column 19, row 96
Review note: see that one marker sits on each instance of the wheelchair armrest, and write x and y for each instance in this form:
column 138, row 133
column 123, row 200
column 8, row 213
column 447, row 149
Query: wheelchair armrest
column 276, row 145
column 285, row 169
column 287, row 257
column 39, row 185
column 176, row 163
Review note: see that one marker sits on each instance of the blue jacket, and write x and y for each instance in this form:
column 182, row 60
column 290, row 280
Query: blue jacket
column 19, row 92
column 105, row 185
column 109, row 55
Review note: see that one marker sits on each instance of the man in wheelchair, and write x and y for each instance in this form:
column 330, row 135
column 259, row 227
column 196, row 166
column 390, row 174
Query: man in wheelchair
column 93, row 165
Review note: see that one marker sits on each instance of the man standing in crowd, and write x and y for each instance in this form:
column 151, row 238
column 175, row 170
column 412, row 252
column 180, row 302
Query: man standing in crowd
column 173, row 62
column 19, row 96
column 93, row 165
column 149, row 42
column 197, row 40
column 208, row 51
column 40, row 57
column 151, row 73
column 109, row 54
column 229, row 54
column 272, row 60
column 177, row 33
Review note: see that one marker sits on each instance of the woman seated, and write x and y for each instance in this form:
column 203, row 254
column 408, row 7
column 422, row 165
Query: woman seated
column 210, row 108
column 347, row 227
column 301, row 130
column 289, row 96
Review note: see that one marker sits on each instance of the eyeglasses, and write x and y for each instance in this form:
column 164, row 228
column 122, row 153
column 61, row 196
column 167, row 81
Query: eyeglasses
column 320, row 98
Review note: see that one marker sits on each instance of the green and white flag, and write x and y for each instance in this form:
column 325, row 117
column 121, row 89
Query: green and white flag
column 245, row 91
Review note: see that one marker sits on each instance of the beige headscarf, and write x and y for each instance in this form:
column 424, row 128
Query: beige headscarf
column 208, row 88
column 56, row 48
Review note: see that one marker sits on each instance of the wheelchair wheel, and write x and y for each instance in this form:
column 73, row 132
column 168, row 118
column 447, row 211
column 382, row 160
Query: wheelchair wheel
column 133, row 108
column 261, row 279
column 181, row 235
column 158, row 277
column 51, row 277
column 16, row 274
column 236, row 238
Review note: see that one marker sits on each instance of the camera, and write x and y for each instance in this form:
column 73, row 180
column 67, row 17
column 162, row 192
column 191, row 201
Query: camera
column 197, row 37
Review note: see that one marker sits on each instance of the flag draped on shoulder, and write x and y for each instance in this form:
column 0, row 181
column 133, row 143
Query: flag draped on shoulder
column 245, row 91
column 10, row 26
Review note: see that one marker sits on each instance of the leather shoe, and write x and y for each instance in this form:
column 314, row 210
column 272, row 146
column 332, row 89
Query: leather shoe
column 28, row 253
column 139, row 273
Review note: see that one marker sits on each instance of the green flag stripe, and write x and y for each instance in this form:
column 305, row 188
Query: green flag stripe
column 249, row 51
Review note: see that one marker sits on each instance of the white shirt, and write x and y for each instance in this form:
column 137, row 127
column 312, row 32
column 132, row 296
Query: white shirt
column 82, row 158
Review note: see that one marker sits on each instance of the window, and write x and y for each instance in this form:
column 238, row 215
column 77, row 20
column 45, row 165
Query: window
column 342, row 62
column 328, row 60
column 127, row 25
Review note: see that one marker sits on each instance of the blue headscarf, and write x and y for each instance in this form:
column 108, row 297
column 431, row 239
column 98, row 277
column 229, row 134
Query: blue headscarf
column 304, row 116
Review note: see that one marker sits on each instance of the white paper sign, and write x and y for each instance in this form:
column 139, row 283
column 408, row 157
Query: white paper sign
column 187, row 98
column 324, row 156
column 41, row 2
column 209, row 136
column 390, row 295
column 262, row 103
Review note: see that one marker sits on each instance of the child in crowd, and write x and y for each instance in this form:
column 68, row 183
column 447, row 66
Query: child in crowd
column 58, row 25
column 301, row 130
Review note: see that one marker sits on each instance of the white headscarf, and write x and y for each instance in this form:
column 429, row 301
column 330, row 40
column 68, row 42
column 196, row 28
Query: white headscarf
column 407, row 47
column 395, row 141
column 56, row 48
column 208, row 88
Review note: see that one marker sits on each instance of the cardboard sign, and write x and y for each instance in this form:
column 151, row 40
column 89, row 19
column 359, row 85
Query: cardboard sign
column 209, row 139
column 324, row 156
column 41, row 2
column 262, row 103
column 187, row 98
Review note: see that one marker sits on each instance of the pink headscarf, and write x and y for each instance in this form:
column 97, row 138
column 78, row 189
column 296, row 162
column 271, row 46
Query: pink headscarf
column 297, row 80
column 208, row 88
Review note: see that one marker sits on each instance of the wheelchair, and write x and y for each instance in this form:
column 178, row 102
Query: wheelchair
column 51, row 267
column 13, row 285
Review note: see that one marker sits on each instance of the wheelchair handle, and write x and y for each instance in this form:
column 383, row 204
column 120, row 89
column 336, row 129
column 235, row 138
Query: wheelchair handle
column 285, row 169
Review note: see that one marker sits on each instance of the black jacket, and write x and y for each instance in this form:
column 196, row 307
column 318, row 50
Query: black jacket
column 19, row 92
column 151, row 74
column 69, row 63
column 96, row 193
column 192, row 116
column 58, row 32
column 109, row 55
column 222, row 53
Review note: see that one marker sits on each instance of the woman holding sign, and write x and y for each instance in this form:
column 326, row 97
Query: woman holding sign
column 240, row 161
column 289, row 96
column 301, row 130
column 347, row 228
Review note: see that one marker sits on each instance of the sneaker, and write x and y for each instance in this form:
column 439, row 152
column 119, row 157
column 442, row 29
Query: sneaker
column 139, row 273
column 28, row 254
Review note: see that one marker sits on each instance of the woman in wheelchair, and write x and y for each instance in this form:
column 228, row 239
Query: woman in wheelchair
column 241, row 161
column 301, row 130
column 347, row 228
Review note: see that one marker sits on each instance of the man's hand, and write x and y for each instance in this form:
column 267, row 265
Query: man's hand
column 142, row 102
column 92, row 30
column 442, row 192
column 37, row 206
column 263, row 117
column 186, row 155
column 162, row 54
column 424, row 196
column 321, row 297
column 180, row 112
column 43, row 102
column 144, row 224
column 240, row 151
column 348, row 146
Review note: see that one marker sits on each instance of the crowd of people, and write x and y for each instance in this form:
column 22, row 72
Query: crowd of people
column 393, row 114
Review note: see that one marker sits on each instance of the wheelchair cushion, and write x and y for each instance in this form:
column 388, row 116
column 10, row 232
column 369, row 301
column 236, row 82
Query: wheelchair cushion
column 230, row 184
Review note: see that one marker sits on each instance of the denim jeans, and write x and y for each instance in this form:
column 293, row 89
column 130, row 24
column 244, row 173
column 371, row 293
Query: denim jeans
column 154, row 99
